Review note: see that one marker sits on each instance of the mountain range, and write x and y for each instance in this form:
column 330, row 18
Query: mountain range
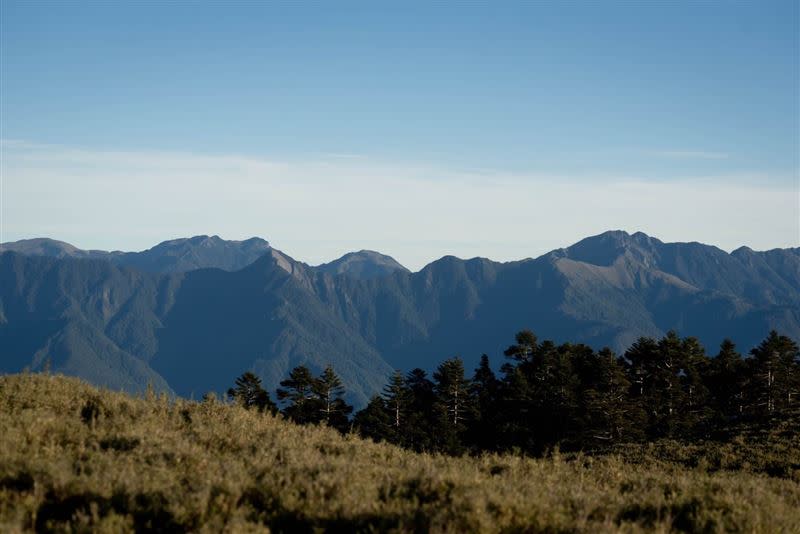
column 189, row 315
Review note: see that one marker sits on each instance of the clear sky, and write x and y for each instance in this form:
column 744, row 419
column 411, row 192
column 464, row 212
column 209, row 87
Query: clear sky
column 501, row 130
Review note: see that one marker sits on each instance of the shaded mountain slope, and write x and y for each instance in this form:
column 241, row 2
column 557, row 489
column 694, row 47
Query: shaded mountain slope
column 124, row 328
column 605, row 290
column 76, row 316
column 199, row 329
column 262, row 318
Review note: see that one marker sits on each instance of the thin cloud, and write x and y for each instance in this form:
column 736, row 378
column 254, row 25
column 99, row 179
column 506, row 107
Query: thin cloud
column 336, row 155
column 314, row 211
column 689, row 154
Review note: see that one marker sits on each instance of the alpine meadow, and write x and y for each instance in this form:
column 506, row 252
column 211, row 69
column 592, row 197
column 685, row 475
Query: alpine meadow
column 512, row 267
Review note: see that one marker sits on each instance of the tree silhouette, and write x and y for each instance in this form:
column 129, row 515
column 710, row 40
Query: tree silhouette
column 727, row 383
column 373, row 421
column 420, row 429
column 610, row 416
column 329, row 392
column 776, row 375
column 397, row 397
column 296, row 391
column 453, row 404
column 571, row 396
column 249, row 393
column 483, row 390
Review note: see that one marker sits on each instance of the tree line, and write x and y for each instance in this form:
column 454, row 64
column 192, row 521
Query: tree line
column 567, row 395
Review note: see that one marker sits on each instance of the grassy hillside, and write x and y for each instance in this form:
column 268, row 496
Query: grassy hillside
column 73, row 457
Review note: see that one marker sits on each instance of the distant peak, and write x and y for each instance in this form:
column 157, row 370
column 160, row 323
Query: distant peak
column 603, row 249
column 363, row 264
column 365, row 253
column 44, row 246
column 255, row 240
column 612, row 233
column 213, row 240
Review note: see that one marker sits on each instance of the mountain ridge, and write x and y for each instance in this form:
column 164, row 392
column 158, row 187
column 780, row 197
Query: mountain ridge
column 39, row 246
column 194, row 330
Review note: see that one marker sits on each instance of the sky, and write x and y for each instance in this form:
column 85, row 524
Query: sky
column 500, row 129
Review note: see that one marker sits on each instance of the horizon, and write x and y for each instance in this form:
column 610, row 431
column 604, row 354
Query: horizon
column 418, row 130
column 384, row 253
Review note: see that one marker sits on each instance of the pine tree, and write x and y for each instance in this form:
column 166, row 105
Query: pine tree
column 373, row 420
column 726, row 383
column 656, row 382
column 668, row 383
column 484, row 389
column 694, row 415
column 250, row 394
column 776, row 375
column 453, row 404
column 668, row 391
column 515, row 405
column 298, row 394
column 329, row 395
column 396, row 396
column 610, row 416
column 421, row 420
column 524, row 348
column 554, row 387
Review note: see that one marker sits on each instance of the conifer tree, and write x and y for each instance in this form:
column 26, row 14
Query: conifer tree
column 515, row 405
column 655, row 368
column 297, row 392
column 726, row 383
column 776, row 375
column 453, row 404
column 396, row 396
column 484, row 389
column 694, row 414
column 329, row 395
column 418, row 433
column 610, row 416
column 249, row 393
column 642, row 356
column 373, row 420
column 524, row 348
column 554, row 392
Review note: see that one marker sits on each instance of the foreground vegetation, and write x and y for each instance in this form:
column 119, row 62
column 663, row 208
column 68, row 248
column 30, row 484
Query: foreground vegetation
column 75, row 458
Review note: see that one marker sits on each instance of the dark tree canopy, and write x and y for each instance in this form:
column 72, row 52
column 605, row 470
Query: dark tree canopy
column 567, row 395
column 310, row 399
column 249, row 393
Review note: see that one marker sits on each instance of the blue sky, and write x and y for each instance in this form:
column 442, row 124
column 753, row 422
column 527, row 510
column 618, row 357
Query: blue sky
column 456, row 96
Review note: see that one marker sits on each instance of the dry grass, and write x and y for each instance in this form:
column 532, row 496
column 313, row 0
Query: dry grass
column 75, row 458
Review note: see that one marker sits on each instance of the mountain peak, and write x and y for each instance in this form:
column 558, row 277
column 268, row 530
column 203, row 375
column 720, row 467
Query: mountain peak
column 604, row 249
column 201, row 251
column 41, row 246
column 364, row 264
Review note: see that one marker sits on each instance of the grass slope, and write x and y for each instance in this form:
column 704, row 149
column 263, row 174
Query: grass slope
column 77, row 458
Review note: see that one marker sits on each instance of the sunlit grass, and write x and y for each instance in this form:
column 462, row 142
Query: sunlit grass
column 73, row 457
